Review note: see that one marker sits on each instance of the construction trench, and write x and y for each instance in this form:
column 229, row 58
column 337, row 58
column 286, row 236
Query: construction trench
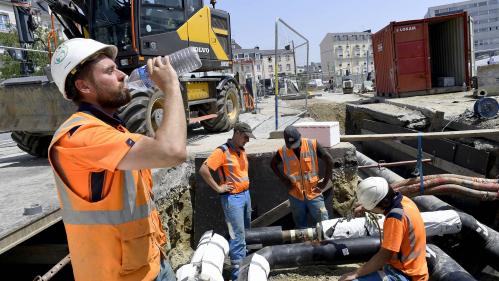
column 190, row 207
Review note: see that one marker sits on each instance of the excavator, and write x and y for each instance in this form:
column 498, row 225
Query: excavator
column 32, row 109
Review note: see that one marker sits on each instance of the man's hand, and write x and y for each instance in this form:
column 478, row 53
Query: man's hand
column 163, row 74
column 348, row 276
column 225, row 188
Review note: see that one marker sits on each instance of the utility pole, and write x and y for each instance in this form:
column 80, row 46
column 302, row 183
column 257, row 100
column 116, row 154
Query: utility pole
column 294, row 58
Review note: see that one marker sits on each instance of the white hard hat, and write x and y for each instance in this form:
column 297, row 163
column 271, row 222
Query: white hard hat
column 371, row 191
column 72, row 53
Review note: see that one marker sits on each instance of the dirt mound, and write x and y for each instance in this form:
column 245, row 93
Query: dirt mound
column 329, row 112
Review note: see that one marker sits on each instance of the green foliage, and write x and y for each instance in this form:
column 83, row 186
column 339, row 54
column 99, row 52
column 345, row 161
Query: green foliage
column 10, row 67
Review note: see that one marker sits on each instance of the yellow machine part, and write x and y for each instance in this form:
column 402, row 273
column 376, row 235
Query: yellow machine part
column 197, row 91
column 198, row 29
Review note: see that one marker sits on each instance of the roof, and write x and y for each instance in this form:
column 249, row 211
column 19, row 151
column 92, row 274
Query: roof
column 262, row 52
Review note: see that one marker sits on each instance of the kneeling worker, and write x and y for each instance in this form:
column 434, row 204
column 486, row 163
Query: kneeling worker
column 402, row 252
column 231, row 163
column 301, row 175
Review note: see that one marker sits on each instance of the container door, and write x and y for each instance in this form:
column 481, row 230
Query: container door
column 411, row 48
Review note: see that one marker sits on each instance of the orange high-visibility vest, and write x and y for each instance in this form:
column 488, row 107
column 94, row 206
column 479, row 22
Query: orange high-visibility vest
column 234, row 171
column 304, row 172
column 117, row 238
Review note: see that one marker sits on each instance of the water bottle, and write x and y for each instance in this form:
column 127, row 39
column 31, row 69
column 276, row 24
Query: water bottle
column 183, row 61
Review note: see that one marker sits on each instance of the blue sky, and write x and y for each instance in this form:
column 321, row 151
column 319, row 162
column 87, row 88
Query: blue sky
column 253, row 21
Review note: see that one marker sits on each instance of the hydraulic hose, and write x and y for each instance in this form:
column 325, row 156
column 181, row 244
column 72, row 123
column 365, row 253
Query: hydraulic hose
column 484, row 237
column 430, row 177
column 488, row 186
column 446, row 189
column 443, row 268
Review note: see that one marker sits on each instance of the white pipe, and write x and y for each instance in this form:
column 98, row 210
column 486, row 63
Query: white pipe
column 436, row 223
column 208, row 259
column 259, row 268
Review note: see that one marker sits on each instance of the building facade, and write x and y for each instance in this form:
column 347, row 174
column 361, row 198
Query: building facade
column 485, row 14
column 260, row 63
column 346, row 54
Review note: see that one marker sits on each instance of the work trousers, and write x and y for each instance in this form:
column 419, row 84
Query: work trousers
column 315, row 207
column 387, row 274
column 237, row 211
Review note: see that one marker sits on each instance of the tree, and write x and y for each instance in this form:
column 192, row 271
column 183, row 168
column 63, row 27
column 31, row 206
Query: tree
column 10, row 67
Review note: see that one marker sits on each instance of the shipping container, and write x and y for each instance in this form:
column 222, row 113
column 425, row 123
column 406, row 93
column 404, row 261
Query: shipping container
column 422, row 57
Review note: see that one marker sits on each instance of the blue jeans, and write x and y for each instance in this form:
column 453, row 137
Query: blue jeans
column 165, row 272
column 391, row 273
column 237, row 211
column 315, row 207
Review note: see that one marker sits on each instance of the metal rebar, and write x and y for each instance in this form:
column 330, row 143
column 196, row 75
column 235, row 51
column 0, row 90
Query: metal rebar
column 53, row 271
column 393, row 164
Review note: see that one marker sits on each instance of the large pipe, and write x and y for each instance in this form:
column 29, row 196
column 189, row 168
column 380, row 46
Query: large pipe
column 485, row 238
column 390, row 176
column 430, row 177
column 436, row 181
column 256, row 267
column 443, row 268
column 448, row 189
column 342, row 251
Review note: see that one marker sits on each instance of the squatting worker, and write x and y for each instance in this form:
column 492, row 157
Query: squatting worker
column 231, row 163
column 402, row 253
column 300, row 174
column 102, row 171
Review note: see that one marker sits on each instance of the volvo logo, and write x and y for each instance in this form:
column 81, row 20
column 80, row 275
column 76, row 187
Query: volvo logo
column 202, row 50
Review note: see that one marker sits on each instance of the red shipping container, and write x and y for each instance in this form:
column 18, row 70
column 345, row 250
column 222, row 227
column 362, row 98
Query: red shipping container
column 421, row 57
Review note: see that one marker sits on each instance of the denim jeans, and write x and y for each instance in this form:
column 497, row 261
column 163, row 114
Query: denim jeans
column 237, row 211
column 314, row 206
column 388, row 274
column 165, row 272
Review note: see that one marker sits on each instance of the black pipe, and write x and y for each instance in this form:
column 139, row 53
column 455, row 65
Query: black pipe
column 443, row 268
column 340, row 251
column 265, row 236
column 481, row 239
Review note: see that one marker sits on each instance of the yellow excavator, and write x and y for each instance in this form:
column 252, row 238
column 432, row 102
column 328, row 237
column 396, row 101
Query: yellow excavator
column 32, row 109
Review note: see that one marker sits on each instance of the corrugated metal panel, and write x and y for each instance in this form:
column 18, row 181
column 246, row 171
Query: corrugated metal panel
column 412, row 59
column 447, row 50
column 384, row 62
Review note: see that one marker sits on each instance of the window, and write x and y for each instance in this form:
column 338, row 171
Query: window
column 258, row 67
column 193, row 6
column 258, row 56
column 4, row 22
column 482, row 4
column 492, row 2
column 288, row 67
column 246, row 55
column 280, row 68
column 156, row 16
column 240, row 56
column 271, row 69
column 287, row 58
column 279, row 58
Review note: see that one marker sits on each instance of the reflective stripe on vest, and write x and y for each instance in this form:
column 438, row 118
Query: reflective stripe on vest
column 309, row 153
column 230, row 165
column 412, row 237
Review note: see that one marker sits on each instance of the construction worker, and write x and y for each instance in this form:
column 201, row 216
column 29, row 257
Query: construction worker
column 402, row 252
column 300, row 174
column 102, row 171
column 231, row 163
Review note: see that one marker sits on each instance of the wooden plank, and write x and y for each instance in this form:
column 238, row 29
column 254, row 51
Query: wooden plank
column 437, row 162
column 278, row 212
column 431, row 135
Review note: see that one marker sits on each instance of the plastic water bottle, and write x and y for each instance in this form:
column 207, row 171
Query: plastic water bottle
column 183, row 61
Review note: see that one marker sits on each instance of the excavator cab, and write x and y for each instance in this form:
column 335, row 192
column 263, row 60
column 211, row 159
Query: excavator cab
column 148, row 28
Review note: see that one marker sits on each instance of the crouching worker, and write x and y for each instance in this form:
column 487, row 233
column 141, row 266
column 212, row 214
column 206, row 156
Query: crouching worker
column 231, row 163
column 402, row 253
column 102, row 171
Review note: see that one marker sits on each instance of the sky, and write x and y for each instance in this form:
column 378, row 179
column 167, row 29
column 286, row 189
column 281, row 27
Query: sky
column 253, row 21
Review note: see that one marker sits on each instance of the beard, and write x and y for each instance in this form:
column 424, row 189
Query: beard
column 113, row 98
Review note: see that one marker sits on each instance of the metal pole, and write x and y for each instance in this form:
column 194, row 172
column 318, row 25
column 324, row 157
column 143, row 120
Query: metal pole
column 393, row 164
column 276, row 85
column 308, row 79
column 294, row 56
column 253, row 85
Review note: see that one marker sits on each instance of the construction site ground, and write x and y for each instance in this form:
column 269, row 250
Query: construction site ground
column 28, row 180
